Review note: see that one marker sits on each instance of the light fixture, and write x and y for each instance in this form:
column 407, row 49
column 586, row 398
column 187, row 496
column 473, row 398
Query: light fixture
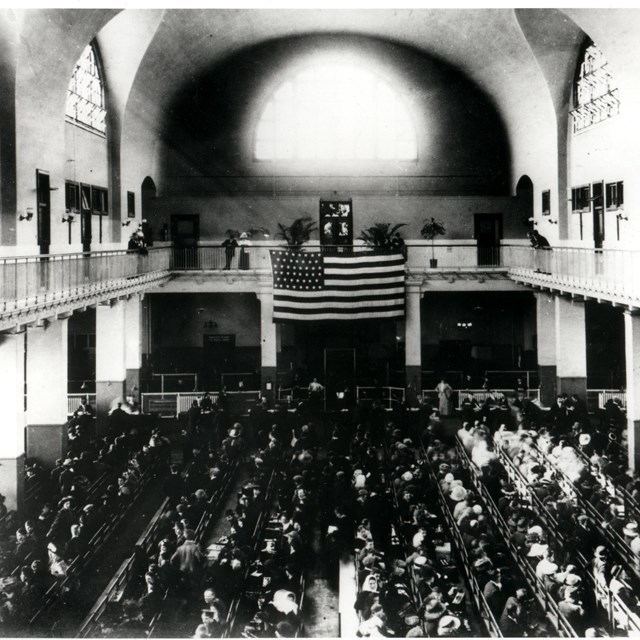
column 464, row 325
column 533, row 221
column 621, row 216
column 83, row 386
column 71, row 216
column 29, row 215
column 210, row 324
column 550, row 221
column 127, row 223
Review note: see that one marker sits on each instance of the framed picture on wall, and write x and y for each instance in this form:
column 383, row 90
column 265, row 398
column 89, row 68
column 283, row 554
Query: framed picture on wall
column 546, row 203
column 336, row 222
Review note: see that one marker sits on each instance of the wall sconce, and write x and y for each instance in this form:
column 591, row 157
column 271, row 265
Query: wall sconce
column 621, row 216
column 533, row 221
column 210, row 324
column 464, row 325
column 127, row 223
column 29, row 215
column 550, row 221
column 71, row 216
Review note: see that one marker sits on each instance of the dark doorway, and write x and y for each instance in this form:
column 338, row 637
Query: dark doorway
column 598, row 214
column 185, row 232
column 218, row 356
column 44, row 211
column 85, row 217
column 488, row 233
column 147, row 205
column 339, row 374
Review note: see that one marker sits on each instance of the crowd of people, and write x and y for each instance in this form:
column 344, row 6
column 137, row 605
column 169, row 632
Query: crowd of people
column 82, row 492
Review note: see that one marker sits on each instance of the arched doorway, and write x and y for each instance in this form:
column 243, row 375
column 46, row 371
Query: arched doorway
column 524, row 193
column 147, row 209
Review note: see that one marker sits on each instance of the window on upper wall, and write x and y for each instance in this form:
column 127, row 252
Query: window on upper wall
column 335, row 111
column 99, row 201
column 546, row 203
column 131, row 204
column 85, row 95
column 595, row 91
column 72, row 197
column 580, row 199
column 615, row 195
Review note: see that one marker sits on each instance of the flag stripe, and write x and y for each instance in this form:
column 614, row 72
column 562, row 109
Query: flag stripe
column 335, row 315
column 312, row 304
column 342, row 293
column 312, row 286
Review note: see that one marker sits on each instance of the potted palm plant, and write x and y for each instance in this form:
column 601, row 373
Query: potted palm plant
column 297, row 233
column 430, row 230
column 381, row 235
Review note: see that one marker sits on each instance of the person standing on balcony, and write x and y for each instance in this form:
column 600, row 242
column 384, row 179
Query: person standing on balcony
column 229, row 245
column 244, row 244
column 444, row 391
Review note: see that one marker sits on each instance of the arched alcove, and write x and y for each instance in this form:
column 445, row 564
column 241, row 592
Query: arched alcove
column 524, row 193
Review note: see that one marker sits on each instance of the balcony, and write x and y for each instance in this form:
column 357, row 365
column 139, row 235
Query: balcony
column 33, row 287
column 600, row 274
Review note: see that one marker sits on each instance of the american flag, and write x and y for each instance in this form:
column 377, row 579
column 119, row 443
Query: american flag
column 349, row 286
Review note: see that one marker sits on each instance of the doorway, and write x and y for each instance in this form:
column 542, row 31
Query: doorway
column 488, row 233
column 44, row 211
column 185, row 232
column 339, row 374
column 597, row 189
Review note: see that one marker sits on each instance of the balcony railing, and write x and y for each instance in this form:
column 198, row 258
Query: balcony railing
column 27, row 282
column 612, row 273
column 33, row 280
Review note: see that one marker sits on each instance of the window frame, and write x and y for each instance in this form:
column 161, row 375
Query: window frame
column 581, row 196
column 614, row 193
column 131, row 204
column 546, row 202
column 99, row 201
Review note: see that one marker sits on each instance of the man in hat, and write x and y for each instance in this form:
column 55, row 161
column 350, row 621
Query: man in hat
column 60, row 529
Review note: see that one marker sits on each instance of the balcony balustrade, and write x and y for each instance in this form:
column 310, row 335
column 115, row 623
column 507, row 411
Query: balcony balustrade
column 35, row 281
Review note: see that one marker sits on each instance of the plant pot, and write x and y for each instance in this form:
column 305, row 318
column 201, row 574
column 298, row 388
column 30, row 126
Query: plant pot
column 433, row 262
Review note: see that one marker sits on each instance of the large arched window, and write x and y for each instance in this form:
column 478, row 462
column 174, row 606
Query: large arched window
column 334, row 111
column 85, row 96
column 595, row 90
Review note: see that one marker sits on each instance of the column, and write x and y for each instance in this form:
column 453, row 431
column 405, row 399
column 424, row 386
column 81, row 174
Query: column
column 413, row 337
column 12, row 432
column 47, row 373
column 268, row 344
column 571, row 347
column 546, row 346
column 111, row 370
column 632, row 367
column 133, row 343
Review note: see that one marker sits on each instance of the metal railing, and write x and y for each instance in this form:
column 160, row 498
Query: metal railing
column 170, row 405
column 74, row 400
column 604, row 271
column 32, row 280
column 29, row 280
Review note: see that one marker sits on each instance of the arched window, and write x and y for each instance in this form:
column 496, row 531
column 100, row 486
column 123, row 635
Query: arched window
column 595, row 91
column 85, row 96
column 334, row 111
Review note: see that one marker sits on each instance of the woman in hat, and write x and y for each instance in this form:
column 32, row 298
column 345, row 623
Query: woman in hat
column 245, row 257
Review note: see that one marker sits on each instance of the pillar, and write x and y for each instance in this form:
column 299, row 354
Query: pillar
column 12, row 438
column 111, row 370
column 413, row 337
column 546, row 346
column 632, row 367
column 268, row 345
column 133, row 343
column 571, row 347
column 47, row 373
